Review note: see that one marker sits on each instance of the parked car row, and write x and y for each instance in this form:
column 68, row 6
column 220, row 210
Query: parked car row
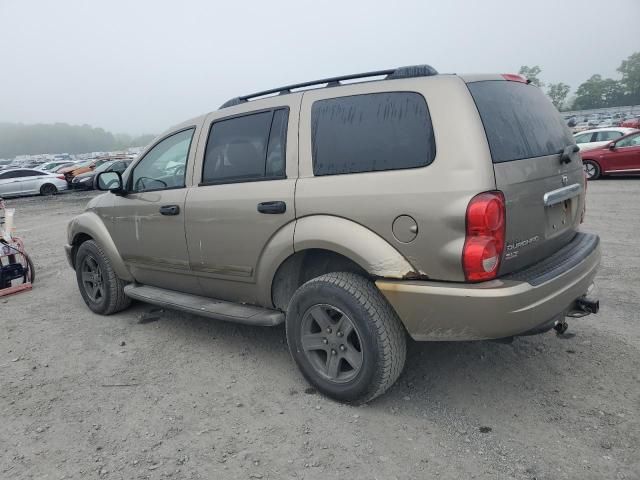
column 84, row 180
column 53, row 177
column 581, row 123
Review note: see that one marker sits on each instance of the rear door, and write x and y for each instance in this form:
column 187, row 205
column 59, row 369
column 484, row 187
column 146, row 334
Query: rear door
column 32, row 181
column 244, row 195
column 544, row 190
column 10, row 183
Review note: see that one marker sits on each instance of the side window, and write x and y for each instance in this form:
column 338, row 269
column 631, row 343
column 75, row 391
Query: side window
column 372, row 132
column 119, row 167
column 584, row 138
column 164, row 165
column 246, row 148
column 632, row 141
column 34, row 173
column 276, row 164
column 607, row 136
column 15, row 174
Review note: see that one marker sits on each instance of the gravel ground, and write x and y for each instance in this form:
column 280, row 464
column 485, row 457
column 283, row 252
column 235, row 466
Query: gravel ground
column 146, row 394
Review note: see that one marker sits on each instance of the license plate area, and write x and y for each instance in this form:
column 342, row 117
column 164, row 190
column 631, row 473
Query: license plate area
column 559, row 217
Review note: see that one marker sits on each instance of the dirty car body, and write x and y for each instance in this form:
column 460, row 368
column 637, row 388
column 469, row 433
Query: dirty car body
column 256, row 204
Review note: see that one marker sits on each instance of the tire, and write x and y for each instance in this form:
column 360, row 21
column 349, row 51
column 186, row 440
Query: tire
column 101, row 289
column 32, row 271
column 48, row 189
column 376, row 337
column 591, row 169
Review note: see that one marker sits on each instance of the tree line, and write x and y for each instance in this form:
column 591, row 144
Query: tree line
column 596, row 92
column 20, row 139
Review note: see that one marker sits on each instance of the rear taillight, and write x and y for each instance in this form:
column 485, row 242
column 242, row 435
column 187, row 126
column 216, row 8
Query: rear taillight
column 61, row 177
column 484, row 242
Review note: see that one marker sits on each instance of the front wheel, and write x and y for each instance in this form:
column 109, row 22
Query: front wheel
column 591, row 169
column 48, row 189
column 100, row 287
column 345, row 337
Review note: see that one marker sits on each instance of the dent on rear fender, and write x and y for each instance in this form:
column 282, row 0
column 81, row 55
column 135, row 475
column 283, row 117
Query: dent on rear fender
column 394, row 267
column 356, row 242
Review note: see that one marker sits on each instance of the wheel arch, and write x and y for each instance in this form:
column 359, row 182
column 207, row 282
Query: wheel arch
column 324, row 244
column 304, row 265
column 88, row 226
column 589, row 159
column 47, row 184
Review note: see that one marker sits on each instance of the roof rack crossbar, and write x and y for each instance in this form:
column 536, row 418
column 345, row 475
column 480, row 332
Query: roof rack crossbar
column 402, row 72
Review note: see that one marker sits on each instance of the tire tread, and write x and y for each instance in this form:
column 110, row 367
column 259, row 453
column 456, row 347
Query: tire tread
column 118, row 301
column 390, row 332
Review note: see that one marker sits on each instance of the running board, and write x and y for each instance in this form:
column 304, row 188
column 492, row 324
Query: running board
column 203, row 306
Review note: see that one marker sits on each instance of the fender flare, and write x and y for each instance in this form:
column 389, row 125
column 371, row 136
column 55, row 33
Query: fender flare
column 366, row 248
column 88, row 223
column 327, row 232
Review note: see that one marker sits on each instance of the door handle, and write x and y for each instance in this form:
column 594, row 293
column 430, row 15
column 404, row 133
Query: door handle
column 170, row 209
column 272, row 207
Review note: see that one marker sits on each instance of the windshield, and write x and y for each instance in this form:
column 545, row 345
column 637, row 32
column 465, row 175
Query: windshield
column 519, row 121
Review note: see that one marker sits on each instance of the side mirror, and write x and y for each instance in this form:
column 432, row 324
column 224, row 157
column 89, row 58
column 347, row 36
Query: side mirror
column 612, row 146
column 111, row 181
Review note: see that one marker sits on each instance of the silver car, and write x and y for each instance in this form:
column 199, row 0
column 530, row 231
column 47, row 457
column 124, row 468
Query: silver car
column 29, row 181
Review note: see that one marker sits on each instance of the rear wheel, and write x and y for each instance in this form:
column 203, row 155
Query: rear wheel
column 591, row 169
column 101, row 289
column 345, row 337
column 48, row 189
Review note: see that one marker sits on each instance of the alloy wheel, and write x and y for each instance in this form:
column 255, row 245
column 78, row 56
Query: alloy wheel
column 589, row 169
column 92, row 280
column 331, row 343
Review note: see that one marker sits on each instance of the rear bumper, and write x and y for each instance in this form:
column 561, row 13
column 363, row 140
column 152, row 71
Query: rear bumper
column 512, row 305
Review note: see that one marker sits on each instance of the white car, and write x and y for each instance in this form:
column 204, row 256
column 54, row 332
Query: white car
column 29, row 181
column 581, row 127
column 590, row 139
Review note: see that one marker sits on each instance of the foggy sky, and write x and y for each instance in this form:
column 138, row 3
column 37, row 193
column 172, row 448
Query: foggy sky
column 140, row 66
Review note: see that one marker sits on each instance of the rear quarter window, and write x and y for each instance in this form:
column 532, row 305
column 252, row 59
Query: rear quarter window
column 371, row 132
column 520, row 122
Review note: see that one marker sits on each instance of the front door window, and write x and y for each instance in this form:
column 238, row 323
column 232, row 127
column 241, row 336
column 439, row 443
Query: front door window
column 164, row 166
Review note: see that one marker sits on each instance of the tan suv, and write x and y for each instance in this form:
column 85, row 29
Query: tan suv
column 442, row 206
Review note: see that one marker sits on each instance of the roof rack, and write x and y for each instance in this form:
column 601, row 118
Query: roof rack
column 391, row 74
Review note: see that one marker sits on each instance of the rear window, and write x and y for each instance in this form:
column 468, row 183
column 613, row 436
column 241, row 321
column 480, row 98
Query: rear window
column 372, row 132
column 520, row 122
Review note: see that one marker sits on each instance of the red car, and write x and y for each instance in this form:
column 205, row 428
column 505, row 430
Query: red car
column 619, row 156
column 631, row 123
